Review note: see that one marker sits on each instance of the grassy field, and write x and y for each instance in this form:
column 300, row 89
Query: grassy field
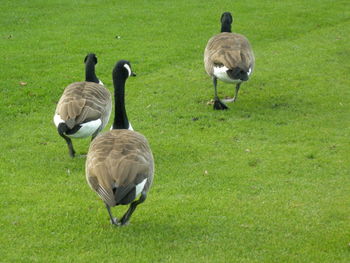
column 266, row 181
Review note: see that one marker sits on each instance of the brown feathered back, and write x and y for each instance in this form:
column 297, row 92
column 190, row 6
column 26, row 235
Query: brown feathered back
column 84, row 101
column 230, row 50
column 118, row 158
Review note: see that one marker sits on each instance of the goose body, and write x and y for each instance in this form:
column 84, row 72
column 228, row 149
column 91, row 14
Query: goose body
column 228, row 57
column 84, row 107
column 119, row 165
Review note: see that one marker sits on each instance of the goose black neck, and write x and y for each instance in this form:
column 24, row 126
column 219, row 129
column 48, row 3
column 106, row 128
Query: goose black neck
column 120, row 117
column 90, row 72
column 226, row 27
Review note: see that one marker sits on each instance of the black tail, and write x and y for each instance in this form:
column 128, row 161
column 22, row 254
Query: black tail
column 124, row 194
column 62, row 128
column 238, row 73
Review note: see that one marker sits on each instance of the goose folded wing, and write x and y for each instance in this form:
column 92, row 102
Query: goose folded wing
column 69, row 109
column 101, row 184
column 227, row 57
column 89, row 113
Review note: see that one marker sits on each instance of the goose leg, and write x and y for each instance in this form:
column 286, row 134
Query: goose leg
column 69, row 143
column 236, row 92
column 96, row 133
column 235, row 97
column 114, row 221
column 126, row 217
column 218, row 105
column 92, row 138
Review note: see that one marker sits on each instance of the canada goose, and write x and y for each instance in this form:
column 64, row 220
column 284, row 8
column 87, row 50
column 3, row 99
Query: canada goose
column 84, row 107
column 229, row 57
column 119, row 165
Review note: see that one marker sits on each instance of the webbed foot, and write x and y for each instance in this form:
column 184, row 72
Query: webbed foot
column 218, row 105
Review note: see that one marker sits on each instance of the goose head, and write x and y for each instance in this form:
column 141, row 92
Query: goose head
column 90, row 62
column 226, row 21
column 123, row 70
column 90, row 58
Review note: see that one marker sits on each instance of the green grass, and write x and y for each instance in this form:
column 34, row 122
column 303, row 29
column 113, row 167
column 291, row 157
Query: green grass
column 266, row 181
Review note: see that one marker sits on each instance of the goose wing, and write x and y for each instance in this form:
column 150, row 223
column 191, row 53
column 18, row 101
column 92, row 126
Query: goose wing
column 82, row 102
column 230, row 50
column 118, row 161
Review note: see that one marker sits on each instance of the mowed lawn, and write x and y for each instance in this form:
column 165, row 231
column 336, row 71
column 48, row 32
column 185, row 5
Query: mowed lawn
column 266, row 181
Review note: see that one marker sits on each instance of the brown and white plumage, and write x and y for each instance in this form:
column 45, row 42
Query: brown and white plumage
column 83, row 102
column 119, row 165
column 229, row 50
column 119, row 161
column 84, row 107
column 228, row 57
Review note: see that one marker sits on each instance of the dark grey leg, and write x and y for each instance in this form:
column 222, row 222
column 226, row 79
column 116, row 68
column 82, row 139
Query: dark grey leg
column 69, row 143
column 96, row 133
column 114, row 221
column 126, row 217
column 236, row 92
column 218, row 105
column 215, row 82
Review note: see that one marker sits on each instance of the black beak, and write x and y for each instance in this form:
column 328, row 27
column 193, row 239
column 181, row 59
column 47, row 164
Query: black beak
column 133, row 74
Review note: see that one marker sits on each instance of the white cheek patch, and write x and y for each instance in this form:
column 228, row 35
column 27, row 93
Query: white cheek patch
column 128, row 68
